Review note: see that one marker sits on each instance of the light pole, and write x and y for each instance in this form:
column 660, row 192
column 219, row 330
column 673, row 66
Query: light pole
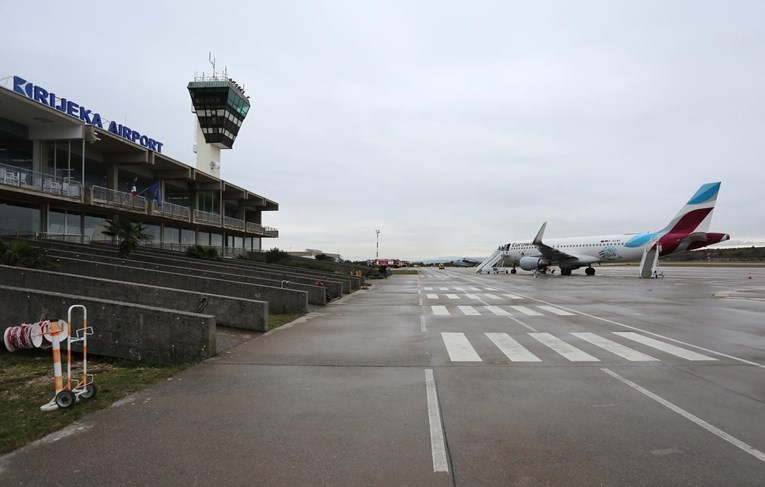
column 377, row 252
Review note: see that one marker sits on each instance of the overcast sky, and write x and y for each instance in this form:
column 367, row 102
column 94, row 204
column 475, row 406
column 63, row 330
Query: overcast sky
column 449, row 126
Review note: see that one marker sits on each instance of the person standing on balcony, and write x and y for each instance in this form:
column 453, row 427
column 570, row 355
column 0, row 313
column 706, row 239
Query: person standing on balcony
column 134, row 187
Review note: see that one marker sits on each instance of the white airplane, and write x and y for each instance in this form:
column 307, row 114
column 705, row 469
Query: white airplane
column 686, row 231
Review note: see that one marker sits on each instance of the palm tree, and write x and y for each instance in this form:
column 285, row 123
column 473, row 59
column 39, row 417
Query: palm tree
column 128, row 234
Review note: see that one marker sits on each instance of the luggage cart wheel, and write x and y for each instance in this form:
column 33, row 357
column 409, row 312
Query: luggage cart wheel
column 90, row 391
column 65, row 399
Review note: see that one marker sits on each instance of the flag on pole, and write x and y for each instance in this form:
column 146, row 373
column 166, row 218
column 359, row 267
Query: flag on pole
column 155, row 190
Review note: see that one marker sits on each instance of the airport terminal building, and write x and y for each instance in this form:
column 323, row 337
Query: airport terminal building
column 65, row 170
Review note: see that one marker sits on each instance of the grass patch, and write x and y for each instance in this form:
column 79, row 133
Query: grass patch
column 27, row 383
column 275, row 321
column 406, row 272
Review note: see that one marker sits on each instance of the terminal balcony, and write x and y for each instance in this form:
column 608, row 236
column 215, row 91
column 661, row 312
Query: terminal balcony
column 31, row 181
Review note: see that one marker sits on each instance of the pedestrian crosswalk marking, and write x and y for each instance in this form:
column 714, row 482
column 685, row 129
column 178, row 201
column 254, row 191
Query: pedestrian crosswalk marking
column 459, row 348
column 511, row 348
column 472, row 296
column 452, row 296
column 615, row 348
column 570, row 352
column 469, row 311
column 432, row 296
column 526, row 311
column 444, row 288
column 440, row 310
column 492, row 296
column 557, row 311
column 490, row 289
column 459, row 288
column 512, row 296
column 664, row 347
column 497, row 310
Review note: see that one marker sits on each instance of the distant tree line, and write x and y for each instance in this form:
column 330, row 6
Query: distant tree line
column 742, row 254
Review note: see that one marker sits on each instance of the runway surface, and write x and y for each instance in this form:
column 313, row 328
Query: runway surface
column 452, row 378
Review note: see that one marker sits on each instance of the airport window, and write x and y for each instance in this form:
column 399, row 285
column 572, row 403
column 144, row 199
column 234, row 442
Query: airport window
column 19, row 217
column 204, row 238
column 172, row 235
column 154, row 231
column 188, row 237
column 62, row 222
column 93, row 227
column 216, row 240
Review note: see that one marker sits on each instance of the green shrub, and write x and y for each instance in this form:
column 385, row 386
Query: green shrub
column 201, row 252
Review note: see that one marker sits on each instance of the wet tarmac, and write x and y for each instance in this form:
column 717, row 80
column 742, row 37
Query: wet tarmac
column 452, row 378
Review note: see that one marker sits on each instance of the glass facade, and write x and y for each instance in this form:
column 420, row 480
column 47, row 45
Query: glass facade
column 24, row 218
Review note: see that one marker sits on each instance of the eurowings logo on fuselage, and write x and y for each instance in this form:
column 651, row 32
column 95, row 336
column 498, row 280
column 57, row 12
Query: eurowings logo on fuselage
column 609, row 253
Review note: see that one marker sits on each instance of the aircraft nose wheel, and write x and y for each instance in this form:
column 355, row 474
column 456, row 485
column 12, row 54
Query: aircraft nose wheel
column 590, row 271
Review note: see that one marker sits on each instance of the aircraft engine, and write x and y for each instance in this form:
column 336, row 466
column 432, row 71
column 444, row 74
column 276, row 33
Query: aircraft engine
column 533, row 263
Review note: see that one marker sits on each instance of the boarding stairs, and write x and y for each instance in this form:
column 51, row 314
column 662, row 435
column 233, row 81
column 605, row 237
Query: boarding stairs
column 490, row 262
column 649, row 264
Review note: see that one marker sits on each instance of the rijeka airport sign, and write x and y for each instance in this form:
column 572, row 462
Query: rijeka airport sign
column 50, row 99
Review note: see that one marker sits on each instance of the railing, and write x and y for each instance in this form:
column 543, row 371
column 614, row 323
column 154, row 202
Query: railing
column 271, row 232
column 37, row 181
column 63, row 237
column 233, row 223
column 118, row 199
column 206, row 217
column 255, row 228
column 171, row 210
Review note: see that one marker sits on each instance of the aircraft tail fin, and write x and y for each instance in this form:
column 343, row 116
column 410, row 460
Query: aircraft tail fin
column 538, row 239
column 696, row 215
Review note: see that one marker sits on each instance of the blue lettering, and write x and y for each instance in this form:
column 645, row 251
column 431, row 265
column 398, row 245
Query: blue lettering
column 152, row 145
column 72, row 109
column 113, row 127
column 97, row 120
column 135, row 136
column 144, row 141
column 126, row 133
column 40, row 95
column 61, row 107
column 159, row 147
column 18, row 86
column 85, row 115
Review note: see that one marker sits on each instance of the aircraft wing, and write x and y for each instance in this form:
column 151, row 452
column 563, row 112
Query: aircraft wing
column 556, row 256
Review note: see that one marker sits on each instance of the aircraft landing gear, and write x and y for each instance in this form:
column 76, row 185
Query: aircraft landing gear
column 590, row 271
column 565, row 272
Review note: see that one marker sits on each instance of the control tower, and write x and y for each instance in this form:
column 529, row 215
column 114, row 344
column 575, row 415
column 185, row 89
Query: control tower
column 221, row 106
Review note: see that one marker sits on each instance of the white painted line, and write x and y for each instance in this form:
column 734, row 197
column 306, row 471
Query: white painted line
column 490, row 289
column 526, row 311
column 615, row 348
column 572, row 353
column 459, row 348
column 491, row 296
column 557, row 311
column 497, row 311
column 474, row 288
column 452, row 296
column 512, row 296
column 444, row 288
column 422, row 324
column 428, row 288
column 437, row 443
column 469, row 311
column 511, row 348
column 440, row 310
column 664, row 347
column 472, row 296
column 432, row 296
column 682, row 412
column 459, row 288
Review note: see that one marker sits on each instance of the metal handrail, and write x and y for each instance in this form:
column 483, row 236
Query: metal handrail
column 37, row 181
column 171, row 210
column 119, row 199
column 206, row 217
column 234, row 223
